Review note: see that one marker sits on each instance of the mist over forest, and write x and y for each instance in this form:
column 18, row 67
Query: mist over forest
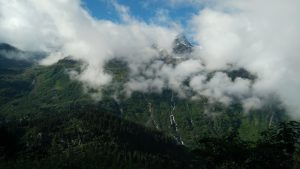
column 173, row 84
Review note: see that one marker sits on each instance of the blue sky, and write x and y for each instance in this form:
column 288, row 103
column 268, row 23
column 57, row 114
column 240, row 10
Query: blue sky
column 145, row 10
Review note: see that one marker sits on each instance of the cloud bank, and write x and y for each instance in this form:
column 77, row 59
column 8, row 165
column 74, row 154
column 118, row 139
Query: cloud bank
column 63, row 27
column 260, row 36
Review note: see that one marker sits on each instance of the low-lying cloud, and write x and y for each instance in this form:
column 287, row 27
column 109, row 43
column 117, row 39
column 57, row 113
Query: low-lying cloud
column 260, row 36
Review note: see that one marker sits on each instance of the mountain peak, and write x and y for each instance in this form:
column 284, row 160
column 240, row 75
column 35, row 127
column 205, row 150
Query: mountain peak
column 181, row 45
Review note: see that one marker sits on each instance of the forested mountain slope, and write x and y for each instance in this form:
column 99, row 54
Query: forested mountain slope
column 49, row 120
column 27, row 89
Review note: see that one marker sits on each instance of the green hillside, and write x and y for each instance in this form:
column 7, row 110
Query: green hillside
column 48, row 121
column 30, row 88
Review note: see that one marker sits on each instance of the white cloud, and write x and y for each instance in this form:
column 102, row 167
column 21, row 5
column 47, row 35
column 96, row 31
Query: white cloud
column 261, row 36
column 176, row 3
column 65, row 28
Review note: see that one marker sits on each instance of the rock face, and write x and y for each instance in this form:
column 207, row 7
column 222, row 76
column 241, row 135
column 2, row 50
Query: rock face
column 181, row 45
column 182, row 49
